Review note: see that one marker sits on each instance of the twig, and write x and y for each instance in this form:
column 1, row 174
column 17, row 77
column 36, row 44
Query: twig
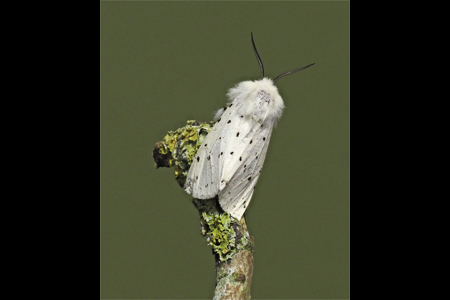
column 231, row 243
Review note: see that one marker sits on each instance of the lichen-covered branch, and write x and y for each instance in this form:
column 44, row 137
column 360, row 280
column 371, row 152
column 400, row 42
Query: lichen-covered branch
column 228, row 237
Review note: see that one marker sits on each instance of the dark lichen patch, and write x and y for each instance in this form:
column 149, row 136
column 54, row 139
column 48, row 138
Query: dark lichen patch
column 238, row 277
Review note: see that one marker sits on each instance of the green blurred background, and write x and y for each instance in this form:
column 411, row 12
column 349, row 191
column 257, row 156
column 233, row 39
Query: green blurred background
column 162, row 63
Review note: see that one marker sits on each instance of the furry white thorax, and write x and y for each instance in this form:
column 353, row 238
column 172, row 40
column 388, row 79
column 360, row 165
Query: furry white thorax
column 258, row 100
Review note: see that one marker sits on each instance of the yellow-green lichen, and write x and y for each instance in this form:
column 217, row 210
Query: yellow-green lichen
column 224, row 234
column 220, row 233
column 183, row 144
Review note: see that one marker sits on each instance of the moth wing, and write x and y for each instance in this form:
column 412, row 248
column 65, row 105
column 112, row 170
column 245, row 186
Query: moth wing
column 198, row 181
column 203, row 179
column 243, row 170
column 229, row 161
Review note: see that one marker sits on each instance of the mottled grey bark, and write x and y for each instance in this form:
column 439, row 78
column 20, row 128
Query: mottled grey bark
column 234, row 277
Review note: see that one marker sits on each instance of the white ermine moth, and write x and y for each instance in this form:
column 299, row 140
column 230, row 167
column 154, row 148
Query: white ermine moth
column 230, row 159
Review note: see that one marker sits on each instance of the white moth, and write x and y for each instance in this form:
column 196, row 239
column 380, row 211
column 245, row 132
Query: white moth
column 230, row 159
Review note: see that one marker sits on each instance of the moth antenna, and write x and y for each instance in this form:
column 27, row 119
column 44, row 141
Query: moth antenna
column 261, row 67
column 291, row 72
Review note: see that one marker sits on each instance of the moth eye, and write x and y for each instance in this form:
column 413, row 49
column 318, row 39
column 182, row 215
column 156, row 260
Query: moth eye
column 237, row 134
column 251, row 141
column 231, row 153
column 198, row 158
column 240, row 158
column 264, row 138
column 221, row 153
column 242, row 116
column 229, row 121
column 206, row 145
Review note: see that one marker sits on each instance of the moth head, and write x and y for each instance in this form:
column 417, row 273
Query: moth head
column 257, row 99
column 260, row 98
